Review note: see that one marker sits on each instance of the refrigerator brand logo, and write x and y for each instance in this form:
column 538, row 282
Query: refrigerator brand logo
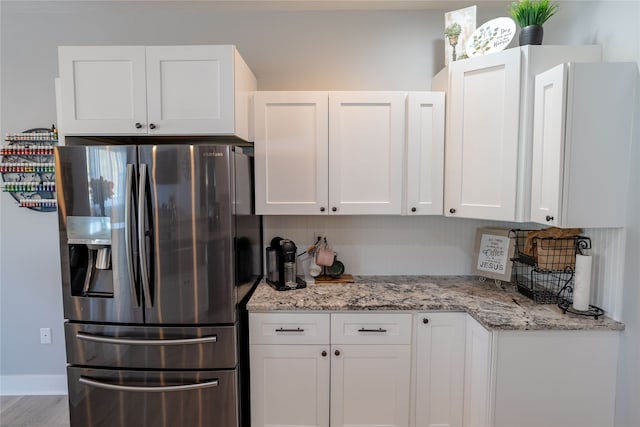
column 213, row 154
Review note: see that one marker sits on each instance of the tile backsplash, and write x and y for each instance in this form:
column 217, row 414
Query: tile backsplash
column 434, row 245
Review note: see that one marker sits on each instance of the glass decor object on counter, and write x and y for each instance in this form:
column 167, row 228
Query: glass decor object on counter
column 28, row 169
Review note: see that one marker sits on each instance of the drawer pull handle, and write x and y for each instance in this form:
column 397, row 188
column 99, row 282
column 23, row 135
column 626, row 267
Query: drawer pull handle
column 372, row 330
column 289, row 330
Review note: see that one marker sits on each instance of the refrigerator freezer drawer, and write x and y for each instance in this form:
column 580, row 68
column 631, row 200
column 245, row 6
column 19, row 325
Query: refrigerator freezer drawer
column 108, row 397
column 150, row 347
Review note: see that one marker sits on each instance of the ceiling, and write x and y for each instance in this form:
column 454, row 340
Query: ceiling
column 330, row 4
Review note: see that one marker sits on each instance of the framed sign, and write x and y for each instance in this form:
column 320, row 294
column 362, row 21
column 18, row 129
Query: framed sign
column 458, row 27
column 493, row 252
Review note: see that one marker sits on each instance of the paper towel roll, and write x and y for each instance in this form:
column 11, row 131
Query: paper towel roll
column 582, row 286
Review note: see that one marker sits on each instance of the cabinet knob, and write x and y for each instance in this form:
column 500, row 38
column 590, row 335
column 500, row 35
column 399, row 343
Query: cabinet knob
column 324, row 353
column 452, row 210
column 425, row 320
column 549, row 218
column 334, row 209
column 322, row 209
column 152, row 126
column 138, row 125
column 337, row 352
column 413, row 209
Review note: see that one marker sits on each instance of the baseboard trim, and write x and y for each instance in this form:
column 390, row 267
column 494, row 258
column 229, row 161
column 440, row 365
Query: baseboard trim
column 26, row 385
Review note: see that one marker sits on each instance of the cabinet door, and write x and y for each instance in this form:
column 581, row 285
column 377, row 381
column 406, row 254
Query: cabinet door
column 291, row 152
column 190, row 89
column 103, row 89
column 548, row 146
column 440, row 346
column 482, row 145
column 425, row 153
column 370, row 385
column 366, row 151
column 477, row 375
column 289, row 385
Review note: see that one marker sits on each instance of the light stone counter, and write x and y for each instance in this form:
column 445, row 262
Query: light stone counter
column 493, row 307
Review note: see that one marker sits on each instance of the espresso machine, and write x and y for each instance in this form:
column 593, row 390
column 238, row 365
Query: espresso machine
column 281, row 265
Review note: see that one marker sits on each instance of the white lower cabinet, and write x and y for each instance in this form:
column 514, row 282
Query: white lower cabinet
column 554, row 378
column 374, row 369
column 370, row 385
column 439, row 370
column 477, row 375
column 370, row 369
column 361, row 379
column 289, row 385
column 551, row 378
column 290, row 369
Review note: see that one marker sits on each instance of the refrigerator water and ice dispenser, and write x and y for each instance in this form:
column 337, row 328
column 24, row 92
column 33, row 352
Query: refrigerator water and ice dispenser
column 89, row 243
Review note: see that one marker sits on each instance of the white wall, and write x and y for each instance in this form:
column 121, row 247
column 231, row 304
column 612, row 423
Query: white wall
column 287, row 50
column 627, row 407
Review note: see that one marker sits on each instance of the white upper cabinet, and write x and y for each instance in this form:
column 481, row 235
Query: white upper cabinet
column 338, row 153
column 582, row 127
column 482, row 147
column 291, row 152
column 161, row 90
column 489, row 129
column 103, row 89
column 425, row 153
column 366, row 151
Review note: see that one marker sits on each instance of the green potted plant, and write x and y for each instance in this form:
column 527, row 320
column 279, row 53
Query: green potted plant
column 530, row 15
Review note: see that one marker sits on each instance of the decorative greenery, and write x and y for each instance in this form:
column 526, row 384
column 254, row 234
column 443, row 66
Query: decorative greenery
column 453, row 30
column 481, row 41
column 532, row 12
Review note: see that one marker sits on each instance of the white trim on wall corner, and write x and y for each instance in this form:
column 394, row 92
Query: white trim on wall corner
column 26, row 385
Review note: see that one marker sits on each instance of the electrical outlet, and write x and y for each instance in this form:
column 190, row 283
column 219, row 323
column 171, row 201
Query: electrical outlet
column 45, row 335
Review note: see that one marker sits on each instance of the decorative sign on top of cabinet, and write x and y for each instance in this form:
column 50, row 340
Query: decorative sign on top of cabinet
column 155, row 90
column 489, row 128
column 581, row 141
column 321, row 153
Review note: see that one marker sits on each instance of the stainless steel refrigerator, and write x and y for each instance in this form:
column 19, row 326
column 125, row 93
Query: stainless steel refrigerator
column 159, row 251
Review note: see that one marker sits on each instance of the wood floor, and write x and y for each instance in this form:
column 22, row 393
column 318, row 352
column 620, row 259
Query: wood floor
column 34, row 411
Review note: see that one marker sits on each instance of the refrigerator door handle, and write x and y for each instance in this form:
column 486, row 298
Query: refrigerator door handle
column 133, row 341
column 127, row 232
column 117, row 387
column 142, row 214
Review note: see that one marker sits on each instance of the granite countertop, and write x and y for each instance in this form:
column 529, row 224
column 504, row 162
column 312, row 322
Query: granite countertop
column 494, row 307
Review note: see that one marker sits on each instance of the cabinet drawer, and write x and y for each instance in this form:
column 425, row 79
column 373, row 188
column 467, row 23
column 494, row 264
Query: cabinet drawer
column 288, row 328
column 371, row 328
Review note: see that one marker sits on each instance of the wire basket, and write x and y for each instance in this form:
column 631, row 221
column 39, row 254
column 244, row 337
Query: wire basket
column 543, row 268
